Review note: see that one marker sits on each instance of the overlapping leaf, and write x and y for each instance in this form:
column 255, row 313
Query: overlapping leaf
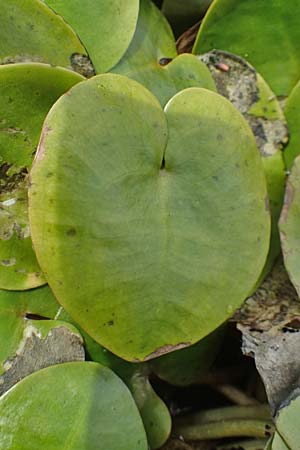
column 267, row 35
column 105, row 27
column 27, row 92
column 290, row 225
column 152, row 47
column 30, row 31
column 72, row 405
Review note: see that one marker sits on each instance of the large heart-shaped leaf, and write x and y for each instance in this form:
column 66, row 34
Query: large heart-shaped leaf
column 27, row 92
column 292, row 114
column 73, row 405
column 253, row 30
column 152, row 46
column 30, row 31
column 105, row 27
column 289, row 226
column 149, row 220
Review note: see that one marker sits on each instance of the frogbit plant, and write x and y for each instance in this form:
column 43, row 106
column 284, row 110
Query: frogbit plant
column 143, row 199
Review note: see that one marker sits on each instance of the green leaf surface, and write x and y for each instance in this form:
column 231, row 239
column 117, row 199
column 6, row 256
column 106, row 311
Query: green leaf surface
column 147, row 217
column 183, row 15
column 153, row 42
column 185, row 366
column 292, row 114
column 27, row 92
column 30, row 31
column 14, row 310
column 287, row 424
column 289, row 226
column 156, row 416
column 268, row 36
column 277, row 443
column 105, row 27
column 72, row 406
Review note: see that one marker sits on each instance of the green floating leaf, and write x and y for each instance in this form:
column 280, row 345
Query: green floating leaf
column 27, row 92
column 185, row 367
column 72, row 405
column 105, row 27
column 289, row 226
column 146, row 218
column 292, row 114
column 254, row 30
column 183, row 15
column 153, row 46
column 30, row 31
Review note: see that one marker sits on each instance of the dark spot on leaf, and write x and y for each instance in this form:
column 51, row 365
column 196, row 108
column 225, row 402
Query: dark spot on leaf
column 31, row 316
column 71, row 232
column 8, row 262
column 164, row 61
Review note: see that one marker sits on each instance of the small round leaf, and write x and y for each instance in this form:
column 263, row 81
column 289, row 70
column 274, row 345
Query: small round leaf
column 253, row 30
column 73, row 405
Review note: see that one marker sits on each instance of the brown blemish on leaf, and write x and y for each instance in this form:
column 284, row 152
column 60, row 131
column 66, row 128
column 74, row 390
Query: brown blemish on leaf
column 288, row 198
column 166, row 349
column 40, row 153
